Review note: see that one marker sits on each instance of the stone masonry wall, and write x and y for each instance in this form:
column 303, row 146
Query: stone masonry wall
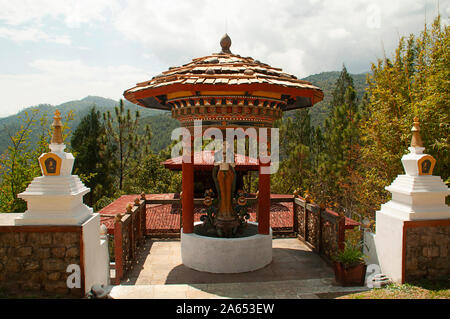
column 427, row 252
column 35, row 263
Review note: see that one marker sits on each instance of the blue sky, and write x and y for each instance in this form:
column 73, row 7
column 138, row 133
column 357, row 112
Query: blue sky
column 53, row 51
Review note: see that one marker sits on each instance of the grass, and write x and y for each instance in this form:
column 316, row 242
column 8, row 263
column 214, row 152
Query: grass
column 423, row 289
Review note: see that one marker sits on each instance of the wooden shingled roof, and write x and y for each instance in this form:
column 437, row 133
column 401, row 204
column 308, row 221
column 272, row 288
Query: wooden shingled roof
column 224, row 71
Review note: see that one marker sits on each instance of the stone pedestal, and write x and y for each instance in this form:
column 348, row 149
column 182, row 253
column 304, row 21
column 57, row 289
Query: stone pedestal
column 226, row 255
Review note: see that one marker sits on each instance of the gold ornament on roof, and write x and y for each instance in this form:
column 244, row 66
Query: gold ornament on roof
column 57, row 129
column 416, row 140
column 225, row 43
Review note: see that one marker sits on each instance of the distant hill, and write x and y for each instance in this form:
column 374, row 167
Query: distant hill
column 80, row 108
column 162, row 126
column 160, row 121
column 326, row 81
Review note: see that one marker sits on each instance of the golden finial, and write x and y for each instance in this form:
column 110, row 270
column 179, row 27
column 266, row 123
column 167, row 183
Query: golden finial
column 225, row 43
column 129, row 207
column 416, row 140
column 57, row 129
column 308, row 198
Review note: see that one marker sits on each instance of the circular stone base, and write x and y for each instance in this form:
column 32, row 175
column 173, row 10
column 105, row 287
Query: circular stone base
column 226, row 255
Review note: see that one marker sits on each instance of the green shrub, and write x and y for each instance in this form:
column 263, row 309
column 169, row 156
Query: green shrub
column 351, row 255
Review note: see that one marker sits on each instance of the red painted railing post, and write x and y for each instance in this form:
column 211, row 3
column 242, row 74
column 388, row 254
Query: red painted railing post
column 187, row 200
column 264, row 197
column 144, row 216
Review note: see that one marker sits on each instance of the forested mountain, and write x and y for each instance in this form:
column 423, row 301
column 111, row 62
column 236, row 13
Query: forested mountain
column 326, row 81
column 79, row 108
column 161, row 122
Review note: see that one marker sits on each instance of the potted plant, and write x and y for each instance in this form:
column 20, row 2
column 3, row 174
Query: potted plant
column 349, row 266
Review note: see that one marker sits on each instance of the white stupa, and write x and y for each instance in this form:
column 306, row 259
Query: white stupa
column 417, row 195
column 56, row 197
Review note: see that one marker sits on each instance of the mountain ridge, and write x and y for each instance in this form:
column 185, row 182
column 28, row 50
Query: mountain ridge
column 160, row 121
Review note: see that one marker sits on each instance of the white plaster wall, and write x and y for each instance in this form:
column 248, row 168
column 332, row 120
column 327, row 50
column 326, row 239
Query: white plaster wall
column 226, row 255
column 389, row 244
column 96, row 254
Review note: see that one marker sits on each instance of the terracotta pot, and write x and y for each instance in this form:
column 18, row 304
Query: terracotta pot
column 350, row 276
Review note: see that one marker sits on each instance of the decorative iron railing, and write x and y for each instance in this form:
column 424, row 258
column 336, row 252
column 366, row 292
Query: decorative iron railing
column 129, row 237
column 322, row 229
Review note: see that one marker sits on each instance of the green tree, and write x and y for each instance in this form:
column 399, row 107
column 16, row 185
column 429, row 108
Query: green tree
column 343, row 82
column 296, row 135
column 413, row 82
column 19, row 163
column 342, row 145
column 152, row 177
column 122, row 140
column 92, row 162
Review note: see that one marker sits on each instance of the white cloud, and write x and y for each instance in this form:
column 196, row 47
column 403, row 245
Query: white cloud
column 73, row 13
column 338, row 33
column 34, row 35
column 302, row 37
column 56, row 82
column 327, row 33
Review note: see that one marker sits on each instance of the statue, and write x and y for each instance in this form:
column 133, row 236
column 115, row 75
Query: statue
column 224, row 177
column 226, row 214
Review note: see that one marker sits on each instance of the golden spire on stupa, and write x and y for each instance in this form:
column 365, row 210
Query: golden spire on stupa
column 416, row 140
column 57, row 129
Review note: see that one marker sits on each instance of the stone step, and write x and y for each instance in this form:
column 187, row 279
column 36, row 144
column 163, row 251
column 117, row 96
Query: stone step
column 287, row 289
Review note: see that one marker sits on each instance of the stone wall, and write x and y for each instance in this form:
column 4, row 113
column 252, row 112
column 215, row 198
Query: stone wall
column 427, row 252
column 35, row 263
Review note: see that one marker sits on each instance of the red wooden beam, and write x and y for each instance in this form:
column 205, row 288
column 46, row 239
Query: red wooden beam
column 187, row 199
column 263, row 200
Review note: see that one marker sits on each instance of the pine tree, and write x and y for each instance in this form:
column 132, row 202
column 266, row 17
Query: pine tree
column 296, row 133
column 341, row 139
column 126, row 146
column 92, row 163
column 344, row 81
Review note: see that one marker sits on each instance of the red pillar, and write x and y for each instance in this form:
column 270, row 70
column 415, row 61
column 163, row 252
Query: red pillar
column 187, row 200
column 263, row 200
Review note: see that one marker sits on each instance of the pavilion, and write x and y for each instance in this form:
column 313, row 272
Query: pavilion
column 224, row 90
